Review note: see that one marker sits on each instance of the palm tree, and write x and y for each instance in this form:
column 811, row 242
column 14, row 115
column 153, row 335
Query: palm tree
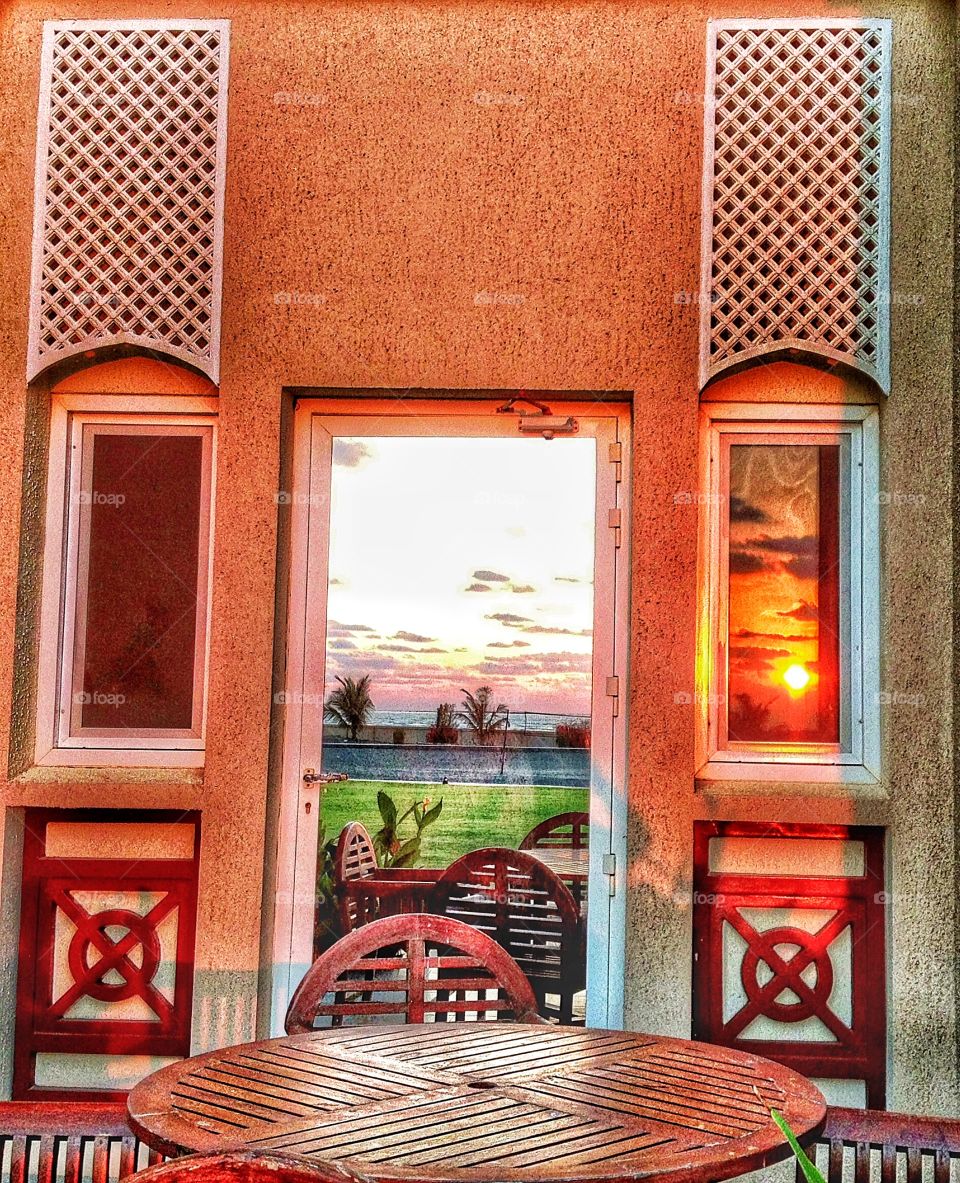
column 480, row 717
column 350, row 704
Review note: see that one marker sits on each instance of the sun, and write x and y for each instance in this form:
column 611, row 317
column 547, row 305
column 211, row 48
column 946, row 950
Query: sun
column 797, row 677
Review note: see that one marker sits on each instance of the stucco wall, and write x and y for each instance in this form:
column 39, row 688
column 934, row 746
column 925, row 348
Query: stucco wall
column 484, row 196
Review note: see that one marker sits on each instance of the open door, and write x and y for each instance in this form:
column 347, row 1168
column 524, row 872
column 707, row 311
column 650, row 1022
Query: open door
column 456, row 636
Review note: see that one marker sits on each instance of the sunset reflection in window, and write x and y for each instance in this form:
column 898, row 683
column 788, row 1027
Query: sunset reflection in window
column 784, row 594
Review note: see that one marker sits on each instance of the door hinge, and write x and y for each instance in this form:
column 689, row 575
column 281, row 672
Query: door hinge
column 616, row 459
column 610, row 870
column 613, row 691
column 614, row 521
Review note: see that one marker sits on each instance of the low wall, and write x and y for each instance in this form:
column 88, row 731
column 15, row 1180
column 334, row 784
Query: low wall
column 435, row 763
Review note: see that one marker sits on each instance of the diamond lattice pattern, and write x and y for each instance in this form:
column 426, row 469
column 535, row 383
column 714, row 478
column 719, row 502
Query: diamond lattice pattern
column 129, row 239
column 799, row 205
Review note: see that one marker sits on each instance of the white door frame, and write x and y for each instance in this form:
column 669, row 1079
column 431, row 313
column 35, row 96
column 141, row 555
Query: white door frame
column 316, row 423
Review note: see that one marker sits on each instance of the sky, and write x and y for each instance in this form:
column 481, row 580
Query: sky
column 463, row 562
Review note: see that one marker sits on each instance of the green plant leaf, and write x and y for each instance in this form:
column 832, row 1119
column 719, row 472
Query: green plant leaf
column 388, row 810
column 811, row 1172
column 433, row 813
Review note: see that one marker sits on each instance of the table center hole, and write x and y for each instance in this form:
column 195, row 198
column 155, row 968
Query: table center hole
column 481, row 1084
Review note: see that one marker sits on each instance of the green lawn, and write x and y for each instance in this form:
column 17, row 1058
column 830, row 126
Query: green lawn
column 473, row 815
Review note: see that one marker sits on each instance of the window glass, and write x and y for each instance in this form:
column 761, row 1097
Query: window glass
column 783, row 603
column 137, row 597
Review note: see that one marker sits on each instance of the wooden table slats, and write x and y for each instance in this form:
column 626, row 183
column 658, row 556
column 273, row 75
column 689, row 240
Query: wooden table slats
column 484, row 1103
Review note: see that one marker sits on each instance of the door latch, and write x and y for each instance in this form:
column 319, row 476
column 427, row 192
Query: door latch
column 312, row 777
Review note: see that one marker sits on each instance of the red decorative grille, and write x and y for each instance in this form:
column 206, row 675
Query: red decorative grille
column 106, row 950
column 792, row 966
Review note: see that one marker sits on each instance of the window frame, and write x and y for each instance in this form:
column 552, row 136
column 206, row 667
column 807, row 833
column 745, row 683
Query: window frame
column 856, row 759
column 74, row 423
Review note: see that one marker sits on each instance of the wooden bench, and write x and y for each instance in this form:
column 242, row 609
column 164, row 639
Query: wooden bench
column 874, row 1146
column 69, row 1142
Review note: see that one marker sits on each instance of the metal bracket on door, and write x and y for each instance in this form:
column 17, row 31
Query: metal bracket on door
column 610, row 870
column 312, row 777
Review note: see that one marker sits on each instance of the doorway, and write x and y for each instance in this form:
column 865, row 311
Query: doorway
column 456, row 652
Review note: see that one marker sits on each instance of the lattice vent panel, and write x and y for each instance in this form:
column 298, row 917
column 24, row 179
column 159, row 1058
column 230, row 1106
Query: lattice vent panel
column 129, row 191
column 796, row 235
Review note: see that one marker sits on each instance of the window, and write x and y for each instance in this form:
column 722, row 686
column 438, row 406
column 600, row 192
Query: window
column 788, row 654
column 123, row 659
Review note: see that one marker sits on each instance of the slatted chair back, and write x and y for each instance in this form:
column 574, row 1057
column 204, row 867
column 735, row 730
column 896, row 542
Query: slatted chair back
column 565, row 831
column 247, row 1166
column 871, row 1146
column 355, row 858
column 75, row 1142
column 417, row 968
column 513, row 898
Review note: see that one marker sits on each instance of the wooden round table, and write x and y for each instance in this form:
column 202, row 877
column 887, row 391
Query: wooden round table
column 571, row 865
column 483, row 1102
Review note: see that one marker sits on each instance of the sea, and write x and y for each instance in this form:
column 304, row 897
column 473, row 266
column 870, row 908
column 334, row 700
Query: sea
column 519, row 720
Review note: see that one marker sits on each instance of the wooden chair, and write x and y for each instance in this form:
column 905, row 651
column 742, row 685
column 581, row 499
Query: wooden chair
column 73, row 1142
column 247, row 1166
column 523, row 906
column 365, row 890
column 418, row 967
column 565, row 831
column 879, row 1147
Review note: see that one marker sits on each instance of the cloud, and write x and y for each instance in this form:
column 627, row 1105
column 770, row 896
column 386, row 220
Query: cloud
column 336, row 629
column 510, row 619
column 755, row 659
column 350, row 453
column 403, row 635
column 747, row 634
column 491, row 576
column 396, row 649
column 745, row 562
column 508, row 644
column 341, row 643
column 796, row 554
column 570, row 579
column 786, row 544
column 477, row 587
column 522, row 589
column 536, row 663
column 802, row 610
column 744, row 511
column 553, row 631
column 335, row 582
